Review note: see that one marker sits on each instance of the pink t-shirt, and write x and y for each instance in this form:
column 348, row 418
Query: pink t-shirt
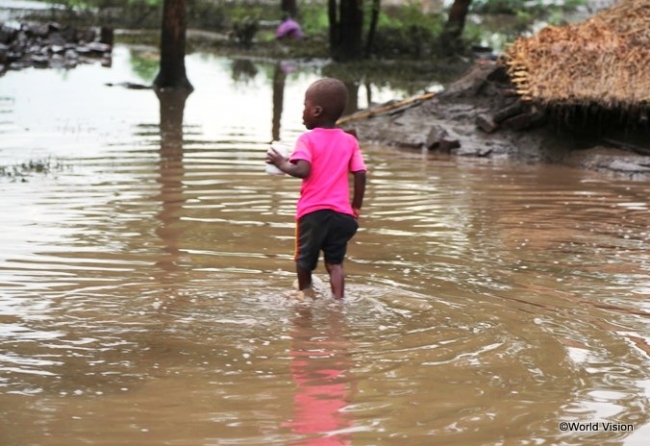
column 333, row 154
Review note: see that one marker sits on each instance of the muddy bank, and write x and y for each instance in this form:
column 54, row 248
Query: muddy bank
column 479, row 115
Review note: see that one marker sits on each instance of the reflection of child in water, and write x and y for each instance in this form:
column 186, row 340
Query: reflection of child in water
column 289, row 28
column 323, row 158
column 320, row 365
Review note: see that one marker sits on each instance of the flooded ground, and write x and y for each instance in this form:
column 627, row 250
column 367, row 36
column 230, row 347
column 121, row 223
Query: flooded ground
column 143, row 275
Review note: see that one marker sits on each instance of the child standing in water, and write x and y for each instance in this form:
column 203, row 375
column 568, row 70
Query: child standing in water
column 324, row 157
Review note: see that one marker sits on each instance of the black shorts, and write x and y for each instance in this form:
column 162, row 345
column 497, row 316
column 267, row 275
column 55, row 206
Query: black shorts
column 326, row 231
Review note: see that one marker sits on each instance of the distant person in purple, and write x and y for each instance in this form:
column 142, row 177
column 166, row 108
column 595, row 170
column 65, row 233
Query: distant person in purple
column 289, row 28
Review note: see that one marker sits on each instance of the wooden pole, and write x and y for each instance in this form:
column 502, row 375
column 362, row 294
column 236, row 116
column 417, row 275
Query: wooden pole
column 386, row 108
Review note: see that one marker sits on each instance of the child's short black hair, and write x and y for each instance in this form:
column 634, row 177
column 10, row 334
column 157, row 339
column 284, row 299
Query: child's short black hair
column 332, row 95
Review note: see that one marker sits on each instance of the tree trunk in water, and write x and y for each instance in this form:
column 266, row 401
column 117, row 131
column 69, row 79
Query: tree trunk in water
column 172, row 109
column 290, row 7
column 334, row 24
column 453, row 30
column 374, row 18
column 172, row 47
column 346, row 33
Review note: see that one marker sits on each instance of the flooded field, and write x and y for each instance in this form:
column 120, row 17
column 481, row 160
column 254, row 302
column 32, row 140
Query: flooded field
column 146, row 257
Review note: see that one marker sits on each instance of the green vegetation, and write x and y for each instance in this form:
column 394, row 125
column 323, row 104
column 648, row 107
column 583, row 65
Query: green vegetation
column 313, row 19
column 403, row 32
column 138, row 14
column 406, row 32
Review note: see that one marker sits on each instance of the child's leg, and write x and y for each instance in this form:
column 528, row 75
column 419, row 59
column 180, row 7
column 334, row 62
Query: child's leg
column 342, row 228
column 309, row 236
column 304, row 278
column 337, row 279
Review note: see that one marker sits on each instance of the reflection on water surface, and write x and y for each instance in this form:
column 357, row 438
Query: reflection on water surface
column 142, row 281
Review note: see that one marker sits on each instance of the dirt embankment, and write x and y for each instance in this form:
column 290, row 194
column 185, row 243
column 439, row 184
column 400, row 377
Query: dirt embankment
column 480, row 115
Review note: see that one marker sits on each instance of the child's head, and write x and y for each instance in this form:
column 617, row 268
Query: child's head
column 325, row 101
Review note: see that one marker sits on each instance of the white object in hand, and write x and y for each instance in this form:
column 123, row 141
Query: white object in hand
column 283, row 150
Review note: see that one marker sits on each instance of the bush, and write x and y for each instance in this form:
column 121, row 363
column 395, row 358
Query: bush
column 406, row 31
column 411, row 41
column 244, row 31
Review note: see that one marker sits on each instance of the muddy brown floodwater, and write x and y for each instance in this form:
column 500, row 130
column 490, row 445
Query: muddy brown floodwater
column 143, row 274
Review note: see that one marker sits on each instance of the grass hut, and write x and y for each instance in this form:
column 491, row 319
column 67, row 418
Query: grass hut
column 603, row 62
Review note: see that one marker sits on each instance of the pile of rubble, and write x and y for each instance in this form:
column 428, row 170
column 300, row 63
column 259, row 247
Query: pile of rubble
column 51, row 45
column 479, row 115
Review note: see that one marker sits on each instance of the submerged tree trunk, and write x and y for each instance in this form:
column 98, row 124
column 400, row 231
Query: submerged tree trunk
column 453, row 30
column 172, row 47
column 346, row 30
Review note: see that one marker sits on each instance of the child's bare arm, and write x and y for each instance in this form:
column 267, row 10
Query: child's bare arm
column 299, row 169
column 359, row 191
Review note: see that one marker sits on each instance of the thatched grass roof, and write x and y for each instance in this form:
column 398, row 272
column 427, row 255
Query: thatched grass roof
column 604, row 61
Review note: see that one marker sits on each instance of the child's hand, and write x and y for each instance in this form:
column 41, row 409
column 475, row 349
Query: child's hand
column 274, row 157
column 356, row 212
